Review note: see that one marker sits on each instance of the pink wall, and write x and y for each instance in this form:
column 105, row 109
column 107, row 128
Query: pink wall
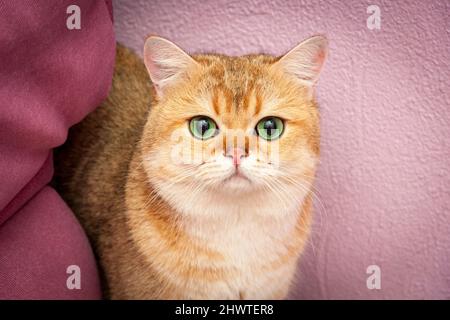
column 384, row 180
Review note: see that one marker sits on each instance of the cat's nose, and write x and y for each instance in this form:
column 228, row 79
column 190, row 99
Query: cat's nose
column 236, row 154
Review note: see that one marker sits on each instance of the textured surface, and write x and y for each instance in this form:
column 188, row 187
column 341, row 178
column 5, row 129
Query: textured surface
column 384, row 180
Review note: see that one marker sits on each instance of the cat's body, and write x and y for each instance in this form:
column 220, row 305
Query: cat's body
column 159, row 235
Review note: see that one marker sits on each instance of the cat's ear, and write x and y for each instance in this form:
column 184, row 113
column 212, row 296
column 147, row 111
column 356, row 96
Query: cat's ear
column 166, row 63
column 305, row 61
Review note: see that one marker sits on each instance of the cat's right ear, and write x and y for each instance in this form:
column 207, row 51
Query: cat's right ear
column 166, row 63
column 305, row 61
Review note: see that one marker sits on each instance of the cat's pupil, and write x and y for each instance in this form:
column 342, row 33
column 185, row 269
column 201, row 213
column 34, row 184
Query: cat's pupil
column 270, row 126
column 203, row 126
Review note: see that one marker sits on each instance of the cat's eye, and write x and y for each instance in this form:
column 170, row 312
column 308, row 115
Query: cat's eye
column 203, row 127
column 270, row 128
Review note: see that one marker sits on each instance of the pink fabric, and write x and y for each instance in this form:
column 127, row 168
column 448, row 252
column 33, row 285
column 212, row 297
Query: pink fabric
column 37, row 245
column 50, row 78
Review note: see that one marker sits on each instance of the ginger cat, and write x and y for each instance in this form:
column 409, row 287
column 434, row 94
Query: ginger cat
column 193, row 179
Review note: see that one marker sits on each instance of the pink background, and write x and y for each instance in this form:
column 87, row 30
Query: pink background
column 384, row 181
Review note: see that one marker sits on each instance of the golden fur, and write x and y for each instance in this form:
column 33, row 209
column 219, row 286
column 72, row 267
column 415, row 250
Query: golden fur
column 168, row 230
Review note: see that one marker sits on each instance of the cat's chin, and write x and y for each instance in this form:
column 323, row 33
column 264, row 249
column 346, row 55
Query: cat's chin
column 237, row 182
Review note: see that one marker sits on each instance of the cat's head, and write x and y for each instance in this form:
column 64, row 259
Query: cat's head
column 232, row 128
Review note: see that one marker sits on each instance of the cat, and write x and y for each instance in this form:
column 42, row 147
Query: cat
column 230, row 224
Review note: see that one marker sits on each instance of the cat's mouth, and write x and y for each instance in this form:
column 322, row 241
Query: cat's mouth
column 237, row 176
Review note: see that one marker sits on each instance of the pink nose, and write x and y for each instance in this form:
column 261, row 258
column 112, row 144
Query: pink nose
column 237, row 154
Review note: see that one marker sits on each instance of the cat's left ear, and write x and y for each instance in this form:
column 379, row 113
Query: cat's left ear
column 166, row 63
column 305, row 61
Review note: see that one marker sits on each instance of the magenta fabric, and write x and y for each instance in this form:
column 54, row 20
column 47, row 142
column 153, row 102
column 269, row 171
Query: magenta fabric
column 383, row 187
column 50, row 78
column 37, row 245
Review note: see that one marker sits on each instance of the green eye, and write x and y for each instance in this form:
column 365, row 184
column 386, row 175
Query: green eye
column 270, row 128
column 203, row 127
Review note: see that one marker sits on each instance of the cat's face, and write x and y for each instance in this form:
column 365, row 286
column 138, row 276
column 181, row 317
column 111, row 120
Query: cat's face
column 224, row 128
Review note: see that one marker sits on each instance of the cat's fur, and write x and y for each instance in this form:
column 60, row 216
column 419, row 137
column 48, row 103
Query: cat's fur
column 164, row 230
